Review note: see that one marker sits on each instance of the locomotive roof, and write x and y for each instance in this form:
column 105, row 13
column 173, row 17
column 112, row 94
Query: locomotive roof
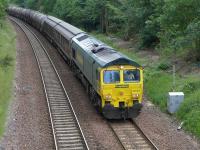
column 103, row 54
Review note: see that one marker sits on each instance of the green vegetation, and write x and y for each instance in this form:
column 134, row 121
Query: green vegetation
column 169, row 25
column 158, row 85
column 189, row 111
column 3, row 4
column 7, row 57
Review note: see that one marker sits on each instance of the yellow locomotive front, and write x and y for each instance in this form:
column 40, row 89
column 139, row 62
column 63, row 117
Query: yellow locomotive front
column 121, row 91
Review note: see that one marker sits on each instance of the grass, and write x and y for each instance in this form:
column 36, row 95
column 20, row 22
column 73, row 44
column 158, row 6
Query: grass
column 157, row 86
column 189, row 111
column 7, row 65
column 158, row 83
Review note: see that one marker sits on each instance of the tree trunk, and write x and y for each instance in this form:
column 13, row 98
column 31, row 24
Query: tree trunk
column 104, row 20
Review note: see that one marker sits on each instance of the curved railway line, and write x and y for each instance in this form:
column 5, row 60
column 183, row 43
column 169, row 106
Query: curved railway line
column 65, row 126
column 131, row 136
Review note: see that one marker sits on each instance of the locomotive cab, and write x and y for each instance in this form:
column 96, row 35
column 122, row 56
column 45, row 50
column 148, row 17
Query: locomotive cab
column 121, row 91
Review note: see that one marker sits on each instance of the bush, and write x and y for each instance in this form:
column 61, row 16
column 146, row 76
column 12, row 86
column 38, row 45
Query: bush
column 190, row 87
column 164, row 66
column 6, row 61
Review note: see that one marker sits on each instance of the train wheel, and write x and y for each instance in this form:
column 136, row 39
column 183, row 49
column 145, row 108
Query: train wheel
column 99, row 104
column 92, row 95
column 95, row 99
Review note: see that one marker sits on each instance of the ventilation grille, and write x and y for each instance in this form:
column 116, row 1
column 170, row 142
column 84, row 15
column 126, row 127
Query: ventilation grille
column 82, row 38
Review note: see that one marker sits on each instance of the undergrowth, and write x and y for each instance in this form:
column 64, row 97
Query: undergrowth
column 189, row 111
column 7, row 61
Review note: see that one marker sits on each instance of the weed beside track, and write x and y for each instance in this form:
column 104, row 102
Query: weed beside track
column 7, row 66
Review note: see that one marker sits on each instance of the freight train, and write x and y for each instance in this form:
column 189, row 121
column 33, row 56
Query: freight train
column 113, row 81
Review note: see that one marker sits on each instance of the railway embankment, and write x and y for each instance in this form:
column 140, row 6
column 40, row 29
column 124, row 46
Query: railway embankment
column 7, row 67
column 158, row 75
column 27, row 124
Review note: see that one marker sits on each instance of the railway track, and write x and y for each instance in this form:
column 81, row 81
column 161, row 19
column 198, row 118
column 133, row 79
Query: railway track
column 131, row 136
column 65, row 126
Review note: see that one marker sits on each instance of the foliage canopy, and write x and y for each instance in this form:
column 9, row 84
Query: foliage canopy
column 165, row 24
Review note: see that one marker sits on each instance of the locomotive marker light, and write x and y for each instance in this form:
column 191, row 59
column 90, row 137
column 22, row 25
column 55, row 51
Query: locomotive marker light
column 108, row 97
column 121, row 67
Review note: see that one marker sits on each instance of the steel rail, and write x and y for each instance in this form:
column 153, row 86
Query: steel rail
column 69, row 129
column 116, row 135
column 145, row 136
column 130, row 136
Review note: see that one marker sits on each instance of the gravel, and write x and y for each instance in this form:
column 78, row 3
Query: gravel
column 28, row 124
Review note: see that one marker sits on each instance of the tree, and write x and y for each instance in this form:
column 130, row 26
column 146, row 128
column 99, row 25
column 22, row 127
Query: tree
column 69, row 10
column 179, row 23
column 3, row 5
column 46, row 6
column 169, row 25
column 20, row 3
column 140, row 20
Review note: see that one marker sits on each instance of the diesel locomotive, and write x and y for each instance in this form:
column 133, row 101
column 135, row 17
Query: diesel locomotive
column 113, row 81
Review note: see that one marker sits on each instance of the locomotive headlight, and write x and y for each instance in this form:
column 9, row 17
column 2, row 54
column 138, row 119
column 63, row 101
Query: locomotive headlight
column 108, row 97
column 135, row 96
column 121, row 67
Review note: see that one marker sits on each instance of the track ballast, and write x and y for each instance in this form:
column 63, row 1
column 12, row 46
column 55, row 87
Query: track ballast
column 66, row 128
column 131, row 136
